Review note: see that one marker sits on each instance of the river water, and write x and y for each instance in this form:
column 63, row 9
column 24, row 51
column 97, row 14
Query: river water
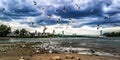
column 112, row 41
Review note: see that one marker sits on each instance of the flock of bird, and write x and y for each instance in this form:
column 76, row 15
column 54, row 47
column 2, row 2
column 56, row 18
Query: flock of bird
column 64, row 10
column 70, row 20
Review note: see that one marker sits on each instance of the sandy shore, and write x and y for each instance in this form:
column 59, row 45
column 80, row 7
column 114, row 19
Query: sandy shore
column 61, row 57
column 16, row 51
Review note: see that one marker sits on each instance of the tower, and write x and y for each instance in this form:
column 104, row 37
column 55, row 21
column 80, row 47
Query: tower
column 101, row 32
column 53, row 31
column 62, row 33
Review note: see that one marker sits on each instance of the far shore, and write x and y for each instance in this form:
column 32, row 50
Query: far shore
column 51, row 36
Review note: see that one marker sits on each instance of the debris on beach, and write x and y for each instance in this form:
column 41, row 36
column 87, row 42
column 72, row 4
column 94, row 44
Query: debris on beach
column 92, row 51
column 50, row 51
column 37, row 50
column 56, row 58
column 69, row 57
column 77, row 58
column 22, row 58
column 24, row 46
column 32, row 49
column 3, row 50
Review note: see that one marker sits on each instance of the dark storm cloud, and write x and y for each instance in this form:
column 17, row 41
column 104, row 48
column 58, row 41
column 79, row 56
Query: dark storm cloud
column 20, row 9
column 50, row 22
column 72, row 13
column 4, row 17
column 112, row 21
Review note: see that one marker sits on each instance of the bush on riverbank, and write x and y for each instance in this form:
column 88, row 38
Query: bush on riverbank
column 112, row 34
column 4, row 30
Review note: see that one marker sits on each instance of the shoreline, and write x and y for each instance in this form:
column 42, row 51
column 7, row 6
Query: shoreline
column 60, row 57
column 4, row 38
column 27, row 50
column 107, row 49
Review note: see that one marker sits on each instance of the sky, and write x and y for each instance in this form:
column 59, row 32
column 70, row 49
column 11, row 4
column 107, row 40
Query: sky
column 81, row 17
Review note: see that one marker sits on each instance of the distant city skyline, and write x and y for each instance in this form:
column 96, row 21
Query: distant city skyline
column 82, row 17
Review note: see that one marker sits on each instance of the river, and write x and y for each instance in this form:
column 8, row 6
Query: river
column 112, row 41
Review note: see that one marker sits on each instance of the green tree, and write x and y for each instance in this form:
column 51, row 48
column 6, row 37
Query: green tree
column 23, row 32
column 112, row 34
column 4, row 30
column 17, row 32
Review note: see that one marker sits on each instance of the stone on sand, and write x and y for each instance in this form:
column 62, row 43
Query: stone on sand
column 77, row 58
column 56, row 58
column 69, row 57
column 22, row 58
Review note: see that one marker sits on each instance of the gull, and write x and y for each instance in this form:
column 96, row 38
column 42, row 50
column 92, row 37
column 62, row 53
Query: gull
column 98, row 26
column 64, row 9
column 77, row 6
column 32, row 23
column 49, row 16
column 58, row 20
column 35, row 3
column 106, row 17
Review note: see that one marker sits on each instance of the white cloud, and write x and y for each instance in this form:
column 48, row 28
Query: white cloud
column 113, row 7
column 112, row 29
column 85, row 30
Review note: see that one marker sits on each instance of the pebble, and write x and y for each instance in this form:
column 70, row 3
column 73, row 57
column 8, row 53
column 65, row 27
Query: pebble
column 77, row 58
column 56, row 58
column 22, row 58
column 69, row 57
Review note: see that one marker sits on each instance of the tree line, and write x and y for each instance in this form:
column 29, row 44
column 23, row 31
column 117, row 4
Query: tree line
column 5, row 30
column 112, row 34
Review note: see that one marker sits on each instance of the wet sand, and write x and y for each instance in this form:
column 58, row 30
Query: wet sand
column 62, row 57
